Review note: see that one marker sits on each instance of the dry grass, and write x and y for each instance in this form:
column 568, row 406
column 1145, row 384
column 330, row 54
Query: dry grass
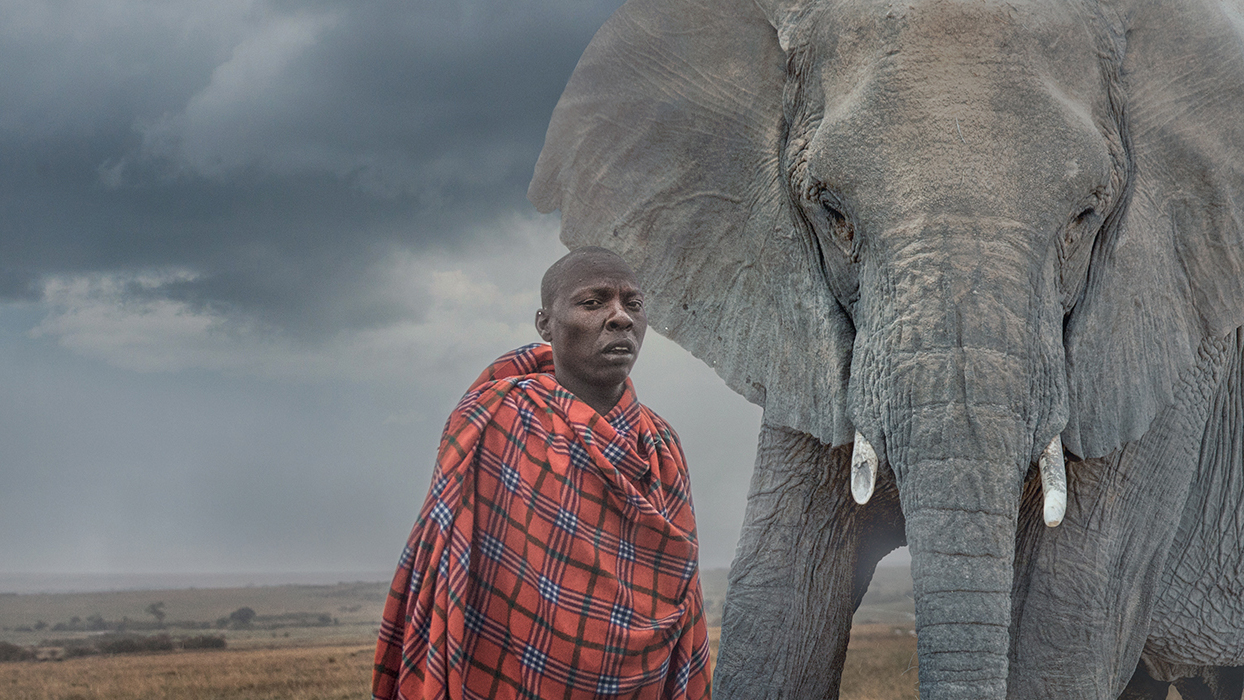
column 334, row 662
column 315, row 673
column 881, row 664
column 876, row 665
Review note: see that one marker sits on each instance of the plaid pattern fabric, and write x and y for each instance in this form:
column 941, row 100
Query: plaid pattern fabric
column 555, row 556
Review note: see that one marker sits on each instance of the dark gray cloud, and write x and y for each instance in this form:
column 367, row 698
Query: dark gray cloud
column 277, row 150
column 252, row 252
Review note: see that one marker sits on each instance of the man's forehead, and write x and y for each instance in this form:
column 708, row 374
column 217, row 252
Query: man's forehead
column 593, row 283
column 596, row 264
column 588, row 271
column 591, row 270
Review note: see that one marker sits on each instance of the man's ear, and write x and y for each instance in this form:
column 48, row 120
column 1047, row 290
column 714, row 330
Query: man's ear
column 542, row 325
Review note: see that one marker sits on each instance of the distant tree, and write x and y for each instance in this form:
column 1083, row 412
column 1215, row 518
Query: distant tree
column 96, row 622
column 41, row 625
column 242, row 616
column 156, row 610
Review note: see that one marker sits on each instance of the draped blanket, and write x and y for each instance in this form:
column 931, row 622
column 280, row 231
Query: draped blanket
column 555, row 556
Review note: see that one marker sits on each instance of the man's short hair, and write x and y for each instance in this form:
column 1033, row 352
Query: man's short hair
column 555, row 276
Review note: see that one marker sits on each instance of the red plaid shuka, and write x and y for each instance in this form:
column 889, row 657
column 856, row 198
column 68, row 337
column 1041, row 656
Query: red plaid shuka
column 555, row 556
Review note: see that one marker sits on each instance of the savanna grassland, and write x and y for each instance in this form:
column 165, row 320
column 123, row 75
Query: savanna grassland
column 281, row 673
column 316, row 642
column 295, row 642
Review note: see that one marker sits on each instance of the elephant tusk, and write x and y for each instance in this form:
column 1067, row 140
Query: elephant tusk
column 1054, row 481
column 863, row 470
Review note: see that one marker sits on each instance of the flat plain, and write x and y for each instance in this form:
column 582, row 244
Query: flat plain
column 317, row 642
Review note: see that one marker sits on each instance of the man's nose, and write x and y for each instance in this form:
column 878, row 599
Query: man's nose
column 619, row 317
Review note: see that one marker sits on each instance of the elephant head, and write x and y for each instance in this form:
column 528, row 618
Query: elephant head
column 961, row 231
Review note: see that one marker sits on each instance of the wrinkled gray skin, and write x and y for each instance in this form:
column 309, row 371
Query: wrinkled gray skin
column 962, row 228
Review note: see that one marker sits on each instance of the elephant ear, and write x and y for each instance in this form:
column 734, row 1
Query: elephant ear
column 665, row 147
column 1171, row 277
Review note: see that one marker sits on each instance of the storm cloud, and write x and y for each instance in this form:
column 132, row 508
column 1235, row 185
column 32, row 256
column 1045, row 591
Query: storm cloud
column 264, row 158
column 251, row 254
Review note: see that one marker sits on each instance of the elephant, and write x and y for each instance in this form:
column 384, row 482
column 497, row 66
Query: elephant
column 982, row 265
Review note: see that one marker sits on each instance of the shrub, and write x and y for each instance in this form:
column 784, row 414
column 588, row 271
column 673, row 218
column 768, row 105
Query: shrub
column 115, row 644
column 73, row 652
column 242, row 616
column 205, row 641
column 12, row 652
column 134, row 644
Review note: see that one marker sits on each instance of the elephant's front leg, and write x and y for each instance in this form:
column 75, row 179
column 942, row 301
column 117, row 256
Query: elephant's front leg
column 1085, row 591
column 804, row 560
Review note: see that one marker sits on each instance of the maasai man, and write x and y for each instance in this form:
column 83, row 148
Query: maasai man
column 555, row 555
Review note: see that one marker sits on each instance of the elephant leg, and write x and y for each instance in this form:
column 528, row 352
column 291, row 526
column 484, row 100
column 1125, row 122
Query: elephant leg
column 804, row 560
column 1198, row 619
column 1222, row 683
column 1145, row 687
column 1085, row 590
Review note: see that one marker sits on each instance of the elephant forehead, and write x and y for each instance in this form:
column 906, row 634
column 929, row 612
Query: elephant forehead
column 1056, row 37
column 951, row 99
column 1037, row 28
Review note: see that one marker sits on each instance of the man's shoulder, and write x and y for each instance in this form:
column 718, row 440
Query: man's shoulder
column 533, row 359
column 495, row 414
column 513, row 392
column 521, row 368
column 660, row 425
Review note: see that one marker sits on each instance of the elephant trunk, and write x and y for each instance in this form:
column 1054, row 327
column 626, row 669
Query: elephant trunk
column 962, row 546
column 953, row 385
column 960, row 470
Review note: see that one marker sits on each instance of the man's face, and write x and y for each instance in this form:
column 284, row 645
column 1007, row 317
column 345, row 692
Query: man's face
column 596, row 326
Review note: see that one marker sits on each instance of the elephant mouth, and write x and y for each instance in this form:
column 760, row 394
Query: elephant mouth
column 1052, row 464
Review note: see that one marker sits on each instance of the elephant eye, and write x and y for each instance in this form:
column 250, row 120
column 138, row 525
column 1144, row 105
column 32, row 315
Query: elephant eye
column 839, row 225
column 1083, row 225
column 838, row 219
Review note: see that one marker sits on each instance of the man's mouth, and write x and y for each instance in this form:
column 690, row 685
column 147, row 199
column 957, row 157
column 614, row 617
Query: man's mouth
column 621, row 347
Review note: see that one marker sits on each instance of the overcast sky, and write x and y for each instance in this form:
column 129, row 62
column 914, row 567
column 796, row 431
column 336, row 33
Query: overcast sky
column 252, row 253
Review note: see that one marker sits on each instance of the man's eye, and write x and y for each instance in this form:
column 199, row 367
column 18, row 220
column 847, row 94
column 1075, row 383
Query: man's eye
column 635, row 304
